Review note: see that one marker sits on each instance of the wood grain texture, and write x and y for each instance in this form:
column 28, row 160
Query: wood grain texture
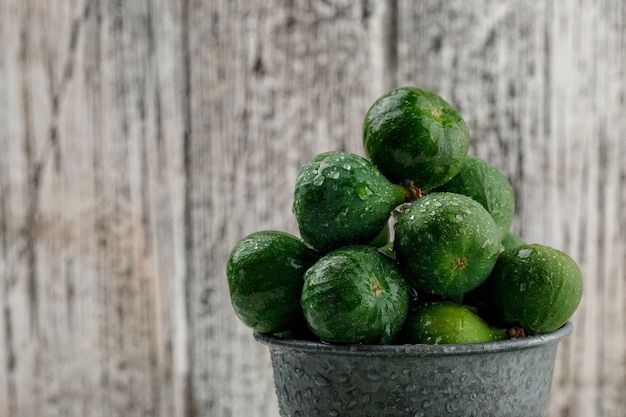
column 91, row 217
column 542, row 88
column 140, row 140
column 271, row 84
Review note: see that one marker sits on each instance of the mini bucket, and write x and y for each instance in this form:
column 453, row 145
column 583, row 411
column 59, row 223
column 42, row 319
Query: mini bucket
column 510, row 378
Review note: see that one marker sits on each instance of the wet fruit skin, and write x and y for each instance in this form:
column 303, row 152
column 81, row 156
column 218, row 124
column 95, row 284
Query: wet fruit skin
column 414, row 135
column 355, row 294
column 342, row 199
column 446, row 244
column 512, row 240
column 265, row 273
column 534, row 286
column 484, row 183
column 446, row 322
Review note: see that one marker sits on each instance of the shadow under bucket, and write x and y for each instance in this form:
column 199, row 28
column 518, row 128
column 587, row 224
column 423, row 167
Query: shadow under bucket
column 510, row 378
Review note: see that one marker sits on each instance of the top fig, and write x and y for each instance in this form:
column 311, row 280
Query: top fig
column 414, row 136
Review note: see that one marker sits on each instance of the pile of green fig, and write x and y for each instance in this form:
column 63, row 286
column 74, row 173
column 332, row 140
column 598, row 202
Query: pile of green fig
column 410, row 244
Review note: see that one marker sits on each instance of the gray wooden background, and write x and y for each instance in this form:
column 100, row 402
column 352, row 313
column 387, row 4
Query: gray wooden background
column 141, row 139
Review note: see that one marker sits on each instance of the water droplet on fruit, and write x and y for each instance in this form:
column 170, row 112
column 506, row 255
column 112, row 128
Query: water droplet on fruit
column 334, row 174
column 364, row 192
column 342, row 215
column 524, row 253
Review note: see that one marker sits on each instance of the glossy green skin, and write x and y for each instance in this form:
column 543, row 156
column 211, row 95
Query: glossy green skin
column 534, row 286
column 265, row 273
column 446, row 243
column 342, row 199
column 484, row 183
column 413, row 134
column 355, row 294
column 446, row 322
column 512, row 240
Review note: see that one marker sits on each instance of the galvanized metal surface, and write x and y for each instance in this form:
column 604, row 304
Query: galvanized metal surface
column 510, row 378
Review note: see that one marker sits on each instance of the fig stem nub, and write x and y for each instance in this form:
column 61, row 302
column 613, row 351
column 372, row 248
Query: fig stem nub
column 460, row 263
column 377, row 288
column 516, row 332
column 413, row 192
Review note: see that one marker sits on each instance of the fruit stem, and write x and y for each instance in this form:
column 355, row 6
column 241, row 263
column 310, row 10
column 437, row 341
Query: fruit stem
column 516, row 332
column 413, row 191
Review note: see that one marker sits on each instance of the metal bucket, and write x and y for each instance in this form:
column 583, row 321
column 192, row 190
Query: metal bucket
column 510, row 378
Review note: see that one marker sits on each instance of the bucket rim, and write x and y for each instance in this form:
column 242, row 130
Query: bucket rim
column 276, row 343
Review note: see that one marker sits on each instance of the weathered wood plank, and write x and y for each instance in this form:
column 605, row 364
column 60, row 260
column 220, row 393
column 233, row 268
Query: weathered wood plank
column 271, row 84
column 542, row 87
column 91, row 222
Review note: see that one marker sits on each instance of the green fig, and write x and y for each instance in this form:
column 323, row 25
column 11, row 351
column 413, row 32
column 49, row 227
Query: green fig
column 512, row 240
column 447, row 244
column 446, row 322
column 414, row 136
column 265, row 273
column 342, row 199
column 355, row 294
column 534, row 286
column 484, row 183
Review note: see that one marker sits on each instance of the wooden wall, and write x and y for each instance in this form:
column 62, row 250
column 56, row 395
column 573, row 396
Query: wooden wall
column 140, row 140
